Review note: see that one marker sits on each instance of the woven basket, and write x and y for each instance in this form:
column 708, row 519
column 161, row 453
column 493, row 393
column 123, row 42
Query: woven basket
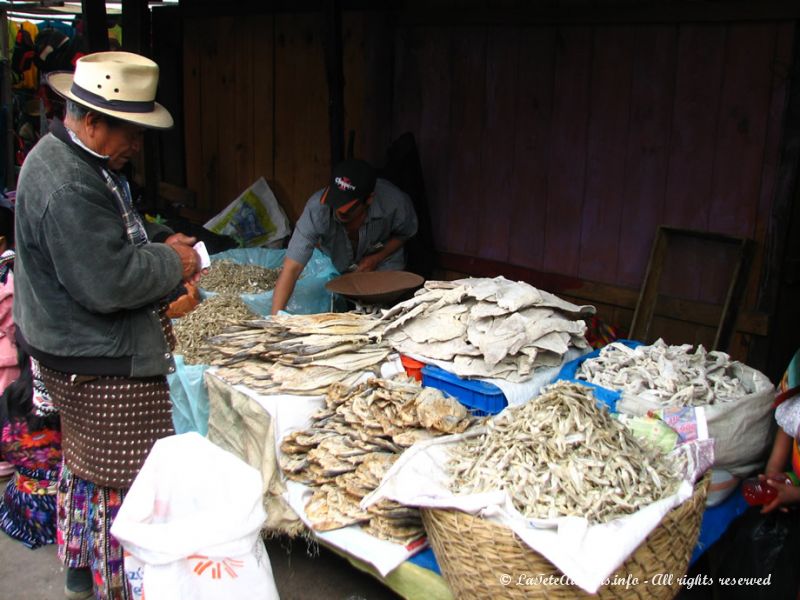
column 474, row 554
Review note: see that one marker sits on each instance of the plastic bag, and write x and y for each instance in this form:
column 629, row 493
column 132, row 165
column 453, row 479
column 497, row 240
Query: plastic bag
column 761, row 547
column 190, row 525
column 254, row 219
column 309, row 296
column 189, row 397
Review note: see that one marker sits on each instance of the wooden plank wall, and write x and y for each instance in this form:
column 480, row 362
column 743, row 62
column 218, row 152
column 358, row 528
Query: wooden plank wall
column 256, row 102
column 561, row 148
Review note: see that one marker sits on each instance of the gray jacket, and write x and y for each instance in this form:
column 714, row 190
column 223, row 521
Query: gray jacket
column 85, row 297
column 391, row 214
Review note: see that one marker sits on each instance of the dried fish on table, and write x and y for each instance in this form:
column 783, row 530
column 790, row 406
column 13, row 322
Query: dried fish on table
column 487, row 327
column 301, row 354
column 560, row 455
column 350, row 447
column 228, row 277
column 668, row 375
column 208, row 319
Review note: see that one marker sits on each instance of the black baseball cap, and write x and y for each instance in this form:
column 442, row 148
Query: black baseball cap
column 351, row 180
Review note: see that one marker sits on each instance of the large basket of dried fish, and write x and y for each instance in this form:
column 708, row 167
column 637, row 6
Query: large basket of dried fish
column 480, row 559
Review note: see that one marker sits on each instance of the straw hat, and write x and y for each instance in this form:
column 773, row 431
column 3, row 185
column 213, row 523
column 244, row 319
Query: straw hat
column 120, row 84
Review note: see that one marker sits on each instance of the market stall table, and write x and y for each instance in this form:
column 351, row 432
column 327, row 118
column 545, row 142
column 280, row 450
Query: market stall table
column 246, row 423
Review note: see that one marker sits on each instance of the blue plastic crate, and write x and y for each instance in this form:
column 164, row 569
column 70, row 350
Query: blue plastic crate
column 479, row 397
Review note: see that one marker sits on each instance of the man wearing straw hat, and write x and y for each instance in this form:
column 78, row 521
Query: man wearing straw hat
column 92, row 278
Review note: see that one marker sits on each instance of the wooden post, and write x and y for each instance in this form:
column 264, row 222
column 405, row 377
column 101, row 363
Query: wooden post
column 136, row 38
column 95, row 24
column 7, row 101
column 335, row 72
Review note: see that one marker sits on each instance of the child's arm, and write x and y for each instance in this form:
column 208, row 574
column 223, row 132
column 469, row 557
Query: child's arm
column 781, row 448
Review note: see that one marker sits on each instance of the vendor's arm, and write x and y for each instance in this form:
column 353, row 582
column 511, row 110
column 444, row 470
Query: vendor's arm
column 371, row 261
column 781, row 448
column 284, row 287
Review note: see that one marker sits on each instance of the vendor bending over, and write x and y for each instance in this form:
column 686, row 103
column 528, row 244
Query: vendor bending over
column 360, row 222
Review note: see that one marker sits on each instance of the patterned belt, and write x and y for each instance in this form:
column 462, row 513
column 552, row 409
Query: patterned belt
column 29, row 485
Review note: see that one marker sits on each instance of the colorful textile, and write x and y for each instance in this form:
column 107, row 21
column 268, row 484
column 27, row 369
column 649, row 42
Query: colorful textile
column 42, row 403
column 599, row 333
column 28, row 507
column 85, row 514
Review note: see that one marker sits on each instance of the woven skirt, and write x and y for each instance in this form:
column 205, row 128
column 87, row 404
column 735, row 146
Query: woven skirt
column 109, row 424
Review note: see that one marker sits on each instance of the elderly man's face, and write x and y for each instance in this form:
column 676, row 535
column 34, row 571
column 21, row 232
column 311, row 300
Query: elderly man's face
column 120, row 142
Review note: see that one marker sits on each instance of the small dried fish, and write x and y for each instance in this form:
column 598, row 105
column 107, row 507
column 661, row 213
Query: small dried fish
column 228, row 277
column 208, row 319
column 560, row 455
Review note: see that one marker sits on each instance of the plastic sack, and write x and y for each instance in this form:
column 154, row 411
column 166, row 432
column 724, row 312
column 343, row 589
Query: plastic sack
column 254, row 219
column 189, row 397
column 758, row 558
column 309, row 296
column 190, row 525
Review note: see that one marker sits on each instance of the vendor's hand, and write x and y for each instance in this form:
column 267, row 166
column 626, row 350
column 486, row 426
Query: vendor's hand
column 368, row 263
column 787, row 494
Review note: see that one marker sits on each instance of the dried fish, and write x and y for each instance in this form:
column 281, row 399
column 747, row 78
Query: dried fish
column 208, row 319
column 561, row 455
column 668, row 375
column 349, row 448
column 228, row 277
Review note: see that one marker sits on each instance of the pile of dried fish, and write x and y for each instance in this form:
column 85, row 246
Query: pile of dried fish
column 299, row 354
column 668, row 375
column 209, row 318
column 561, row 455
column 487, row 327
column 228, row 277
column 354, row 441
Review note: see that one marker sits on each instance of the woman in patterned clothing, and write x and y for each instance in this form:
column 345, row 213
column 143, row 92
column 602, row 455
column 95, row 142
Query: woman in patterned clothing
column 31, row 441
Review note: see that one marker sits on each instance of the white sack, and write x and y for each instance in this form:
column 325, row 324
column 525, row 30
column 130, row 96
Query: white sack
column 190, row 525
column 741, row 427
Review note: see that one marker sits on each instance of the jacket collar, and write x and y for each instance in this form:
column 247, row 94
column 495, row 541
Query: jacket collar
column 60, row 131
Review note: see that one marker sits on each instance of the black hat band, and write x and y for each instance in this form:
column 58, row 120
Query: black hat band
column 131, row 106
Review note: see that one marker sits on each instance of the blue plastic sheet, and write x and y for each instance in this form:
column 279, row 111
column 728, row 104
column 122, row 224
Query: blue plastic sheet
column 603, row 394
column 309, row 296
column 189, row 397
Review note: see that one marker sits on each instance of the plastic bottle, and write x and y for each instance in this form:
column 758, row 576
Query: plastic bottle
column 757, row 492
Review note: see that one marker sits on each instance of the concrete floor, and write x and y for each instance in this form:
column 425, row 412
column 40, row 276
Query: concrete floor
column 37, row 574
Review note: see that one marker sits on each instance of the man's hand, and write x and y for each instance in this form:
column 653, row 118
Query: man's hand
column 190, row 260
column 179, row 238
column 369, row 263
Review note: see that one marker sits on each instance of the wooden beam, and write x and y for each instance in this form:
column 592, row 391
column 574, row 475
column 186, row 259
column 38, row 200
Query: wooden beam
column 95, row 25
column 589, row 12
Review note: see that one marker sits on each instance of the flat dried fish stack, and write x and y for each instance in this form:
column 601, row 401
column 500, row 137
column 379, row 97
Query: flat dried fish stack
column 228, row 277
column 668, row 375
column 487, row 327
column 208, row 319
column 300, row 354
column 353, row 442
column 560, row 455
